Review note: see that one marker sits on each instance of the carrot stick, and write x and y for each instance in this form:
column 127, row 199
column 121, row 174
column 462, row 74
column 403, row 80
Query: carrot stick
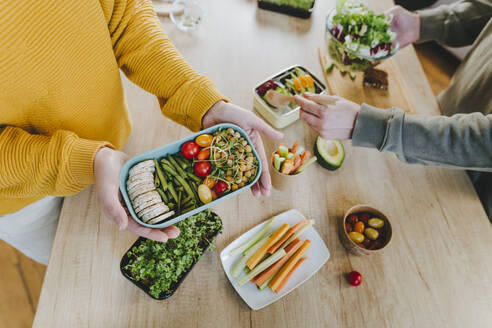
column 274, row 268
column 287, row 166
column 305, row 156
column 289, row 234
column 256, row 258
column 294, row 147
column 282, row 284
column 297, row 163
column 289, row 265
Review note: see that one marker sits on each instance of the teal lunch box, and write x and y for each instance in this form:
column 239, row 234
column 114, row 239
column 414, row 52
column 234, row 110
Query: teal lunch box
column 173, row 148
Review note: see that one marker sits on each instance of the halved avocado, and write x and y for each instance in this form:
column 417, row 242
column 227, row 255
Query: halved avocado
column 330, row 153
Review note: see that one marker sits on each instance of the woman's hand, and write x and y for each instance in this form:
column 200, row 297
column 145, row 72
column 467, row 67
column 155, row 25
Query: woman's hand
column 107, row 165
column 405, row 24
column 223, row 112
column 332, row 117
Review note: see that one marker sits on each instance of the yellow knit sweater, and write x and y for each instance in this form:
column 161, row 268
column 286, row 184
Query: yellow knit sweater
column 61, row 97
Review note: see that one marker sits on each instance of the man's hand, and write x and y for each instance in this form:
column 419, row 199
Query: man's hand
column 405, row 24
column 332, row 117
column 107, row 165
column 223, row 112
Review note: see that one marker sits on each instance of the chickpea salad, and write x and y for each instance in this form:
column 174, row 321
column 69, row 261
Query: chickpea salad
column 205, row 169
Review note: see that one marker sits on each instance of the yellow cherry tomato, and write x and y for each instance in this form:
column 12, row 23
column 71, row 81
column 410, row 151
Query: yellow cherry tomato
column 209, row 182
column 204, row 140
column 356, row 236
column 359, row 227
column 376, row 223
column 204, row 194
column 371, row 233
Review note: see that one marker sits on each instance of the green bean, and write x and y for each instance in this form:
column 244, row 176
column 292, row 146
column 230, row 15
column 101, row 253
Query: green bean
column 160, row 174
column 171, row 206
column 187, row 209
column 169, row 169
column 172, row 191
column 176, row 166
column 157, row 183
column 186, row 186
column 184, row 164
column 163, row 195
column 179, row 202
column 188, row 203
column 193, row 177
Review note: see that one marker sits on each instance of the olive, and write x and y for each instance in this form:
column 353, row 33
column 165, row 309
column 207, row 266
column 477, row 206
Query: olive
column 376, row 223
column 348, row 227
column 356, row 236
column 371, row 233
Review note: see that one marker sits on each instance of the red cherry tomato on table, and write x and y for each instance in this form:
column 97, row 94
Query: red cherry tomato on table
column 190, row 149
column 354, row 278
column 202, row 169
column 204, row 140
column 221, row 187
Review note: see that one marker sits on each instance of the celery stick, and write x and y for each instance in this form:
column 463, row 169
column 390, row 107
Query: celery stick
column 276, row 162
column 262, row 266
column 252, row 241
column 298, row 233
column 265, row 284
column 303, row 166
column 283, row 151
column 329, row 68
column 290, row 156
column 241, row 263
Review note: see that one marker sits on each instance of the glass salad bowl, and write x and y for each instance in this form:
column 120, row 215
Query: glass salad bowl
column 352, row 56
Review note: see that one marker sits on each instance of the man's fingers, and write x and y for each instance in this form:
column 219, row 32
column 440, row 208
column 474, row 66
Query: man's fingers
column 113, row 209
column 154, row 234
column 321, row 99
column 265, row 182
column 310, row 119
column 172, row 232
column 255, row 189
column 265, row 129
column 309, row 106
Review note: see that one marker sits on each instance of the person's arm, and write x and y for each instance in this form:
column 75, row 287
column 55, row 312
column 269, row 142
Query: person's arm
column 36, row 166
column 462, row 141
column 149, row 59
column 455, row 25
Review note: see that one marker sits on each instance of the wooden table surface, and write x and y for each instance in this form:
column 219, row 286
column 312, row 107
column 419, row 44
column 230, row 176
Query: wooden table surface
column 436, row 273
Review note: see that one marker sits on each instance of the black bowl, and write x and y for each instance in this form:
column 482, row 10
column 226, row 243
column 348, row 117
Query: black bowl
column 284, row 9
column 125, row 260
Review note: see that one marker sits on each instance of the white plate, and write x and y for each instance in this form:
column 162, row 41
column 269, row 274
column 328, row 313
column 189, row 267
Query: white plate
column 316, row 255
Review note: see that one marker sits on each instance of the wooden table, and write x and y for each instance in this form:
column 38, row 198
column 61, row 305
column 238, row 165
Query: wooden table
column 436, row 273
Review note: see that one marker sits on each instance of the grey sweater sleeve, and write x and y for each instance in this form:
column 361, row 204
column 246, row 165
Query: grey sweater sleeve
column 457, row 24
column 462, row 141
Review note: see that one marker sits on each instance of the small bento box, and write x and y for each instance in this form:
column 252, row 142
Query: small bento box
column 168, row 184
column 144, row 252
column 304, row 10
column 294, row 80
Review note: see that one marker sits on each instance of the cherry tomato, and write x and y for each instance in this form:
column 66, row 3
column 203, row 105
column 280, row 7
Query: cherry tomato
column 202, row 169
column 359, row 227
column 376, row 223
column 371, row 233
column 209, row 182
column 214, row 194
column 352, row 219
column 190, row 149
column 221, row 187
column 348, row 227
column 364, row 217
column 204, row 194
column 356, row 237
column 204, row 140
column 203, row 154
column 354, row 278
